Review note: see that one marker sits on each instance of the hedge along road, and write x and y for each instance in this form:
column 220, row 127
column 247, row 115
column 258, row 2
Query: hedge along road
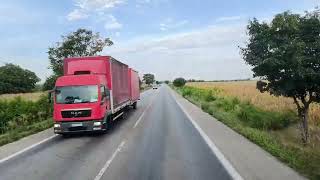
column 157, row 141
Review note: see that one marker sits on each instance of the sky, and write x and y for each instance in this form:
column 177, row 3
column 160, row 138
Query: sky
column 169, row 38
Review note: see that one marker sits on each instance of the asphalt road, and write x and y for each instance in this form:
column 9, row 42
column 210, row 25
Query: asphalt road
column 156, row 141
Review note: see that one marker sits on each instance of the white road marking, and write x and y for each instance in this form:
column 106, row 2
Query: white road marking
column 27, row 149
column 225, row 163
column 107, row 164
column 141, row 116
column 138, row 121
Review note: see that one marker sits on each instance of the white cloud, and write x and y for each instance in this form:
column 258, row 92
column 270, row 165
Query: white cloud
column 209, row 53
column 228, row 18
column 76, row 15
column 112, row 23
column 85, row 8
column 171, row 24
column 97, row 4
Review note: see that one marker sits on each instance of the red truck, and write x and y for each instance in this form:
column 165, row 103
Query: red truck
column 93, row 92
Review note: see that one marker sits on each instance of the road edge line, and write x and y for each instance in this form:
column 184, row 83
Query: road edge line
column 223, row 160
column 109, row 161
column 26, row 149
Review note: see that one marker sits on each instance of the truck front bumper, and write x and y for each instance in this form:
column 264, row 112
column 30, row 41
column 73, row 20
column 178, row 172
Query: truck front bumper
column 78, row 127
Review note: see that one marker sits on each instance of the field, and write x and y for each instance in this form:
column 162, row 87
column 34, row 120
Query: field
column 25, row 96
column 270, row 122
column 246, row 91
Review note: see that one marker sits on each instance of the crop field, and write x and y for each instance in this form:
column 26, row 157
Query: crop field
column 246, row 91
column 25, row 96
column 269, row 121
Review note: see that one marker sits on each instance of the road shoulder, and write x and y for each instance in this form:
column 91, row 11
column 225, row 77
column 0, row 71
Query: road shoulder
column 251, row 161
column 14, row 147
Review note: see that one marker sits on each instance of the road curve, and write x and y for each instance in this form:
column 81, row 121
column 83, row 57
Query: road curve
column 156, row 141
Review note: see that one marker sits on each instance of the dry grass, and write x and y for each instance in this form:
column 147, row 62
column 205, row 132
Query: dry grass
column 246, row 91
column 26, row 96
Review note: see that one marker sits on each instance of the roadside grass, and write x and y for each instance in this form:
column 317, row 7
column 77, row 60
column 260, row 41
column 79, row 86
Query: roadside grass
column 20, row 117
column 24, row 131
column 274, row 131
column 34, row 96
column 247, row 91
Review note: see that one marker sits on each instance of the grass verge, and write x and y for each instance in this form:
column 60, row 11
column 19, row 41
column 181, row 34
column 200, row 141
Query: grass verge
column 260, row 126
column 24, row 131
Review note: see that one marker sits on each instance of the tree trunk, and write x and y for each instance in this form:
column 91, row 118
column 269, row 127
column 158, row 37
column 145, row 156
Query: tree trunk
column 304, row 116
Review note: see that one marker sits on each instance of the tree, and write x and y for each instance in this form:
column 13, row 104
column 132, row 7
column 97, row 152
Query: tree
column 166, row 81
column 80, row 43
column 179, row 82
column 14, row 79
column 148, row 78
column 285, row 54
column 50, row 82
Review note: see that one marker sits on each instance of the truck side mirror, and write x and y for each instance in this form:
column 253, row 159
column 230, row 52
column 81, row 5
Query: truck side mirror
column 107, row 94
column 50, row 96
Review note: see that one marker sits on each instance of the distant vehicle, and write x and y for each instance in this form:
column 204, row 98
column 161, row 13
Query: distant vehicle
column 93, row 92
column 155, row 86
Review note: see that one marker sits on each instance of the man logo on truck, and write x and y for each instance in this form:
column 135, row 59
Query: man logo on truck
column 76, row 113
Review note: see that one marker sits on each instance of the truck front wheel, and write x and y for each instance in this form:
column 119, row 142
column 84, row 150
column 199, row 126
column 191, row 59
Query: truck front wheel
column 109, row 123
column 134, row 105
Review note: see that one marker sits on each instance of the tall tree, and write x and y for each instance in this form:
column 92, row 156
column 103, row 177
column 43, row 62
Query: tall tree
column 148, row 78
column 80, row 43
column 285, row 54
column 14, row 79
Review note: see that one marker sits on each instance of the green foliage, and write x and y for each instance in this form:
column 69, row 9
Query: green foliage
column 166, row 81
column 209, row 96
column 16, row 113
column 179, row 82
column 50, row 82
column 80, row 43
column 245, row 112
column 148, row 78
column 14, row 79
column 257, row 118
column 286, row 53
column 23, row 131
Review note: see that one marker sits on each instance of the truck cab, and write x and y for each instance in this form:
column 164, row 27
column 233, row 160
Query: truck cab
column 81, row 103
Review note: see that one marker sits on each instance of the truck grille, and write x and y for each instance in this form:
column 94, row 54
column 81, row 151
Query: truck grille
column 76, row 113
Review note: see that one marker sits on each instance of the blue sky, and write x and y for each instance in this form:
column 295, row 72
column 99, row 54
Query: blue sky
column 170, row 38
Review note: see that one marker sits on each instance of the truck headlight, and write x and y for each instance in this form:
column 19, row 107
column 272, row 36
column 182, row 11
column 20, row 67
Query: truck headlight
column 56, row 125
column 98, row 123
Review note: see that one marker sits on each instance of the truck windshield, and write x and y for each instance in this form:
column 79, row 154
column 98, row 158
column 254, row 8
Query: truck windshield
column 76, row 94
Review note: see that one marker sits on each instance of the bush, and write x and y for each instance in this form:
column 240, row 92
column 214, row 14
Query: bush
column 179, row 82
column 260, row 119
column 18, row 112
column 209, row 96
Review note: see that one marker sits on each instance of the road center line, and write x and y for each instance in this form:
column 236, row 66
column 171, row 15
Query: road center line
column 225, row 163
column 141, row 116
column 27, row 149
column 107, row 164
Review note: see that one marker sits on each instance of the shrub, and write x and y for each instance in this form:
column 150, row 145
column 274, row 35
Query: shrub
column 179, row 82
column 257, row 118
column 19, row 112
column 209, row 96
